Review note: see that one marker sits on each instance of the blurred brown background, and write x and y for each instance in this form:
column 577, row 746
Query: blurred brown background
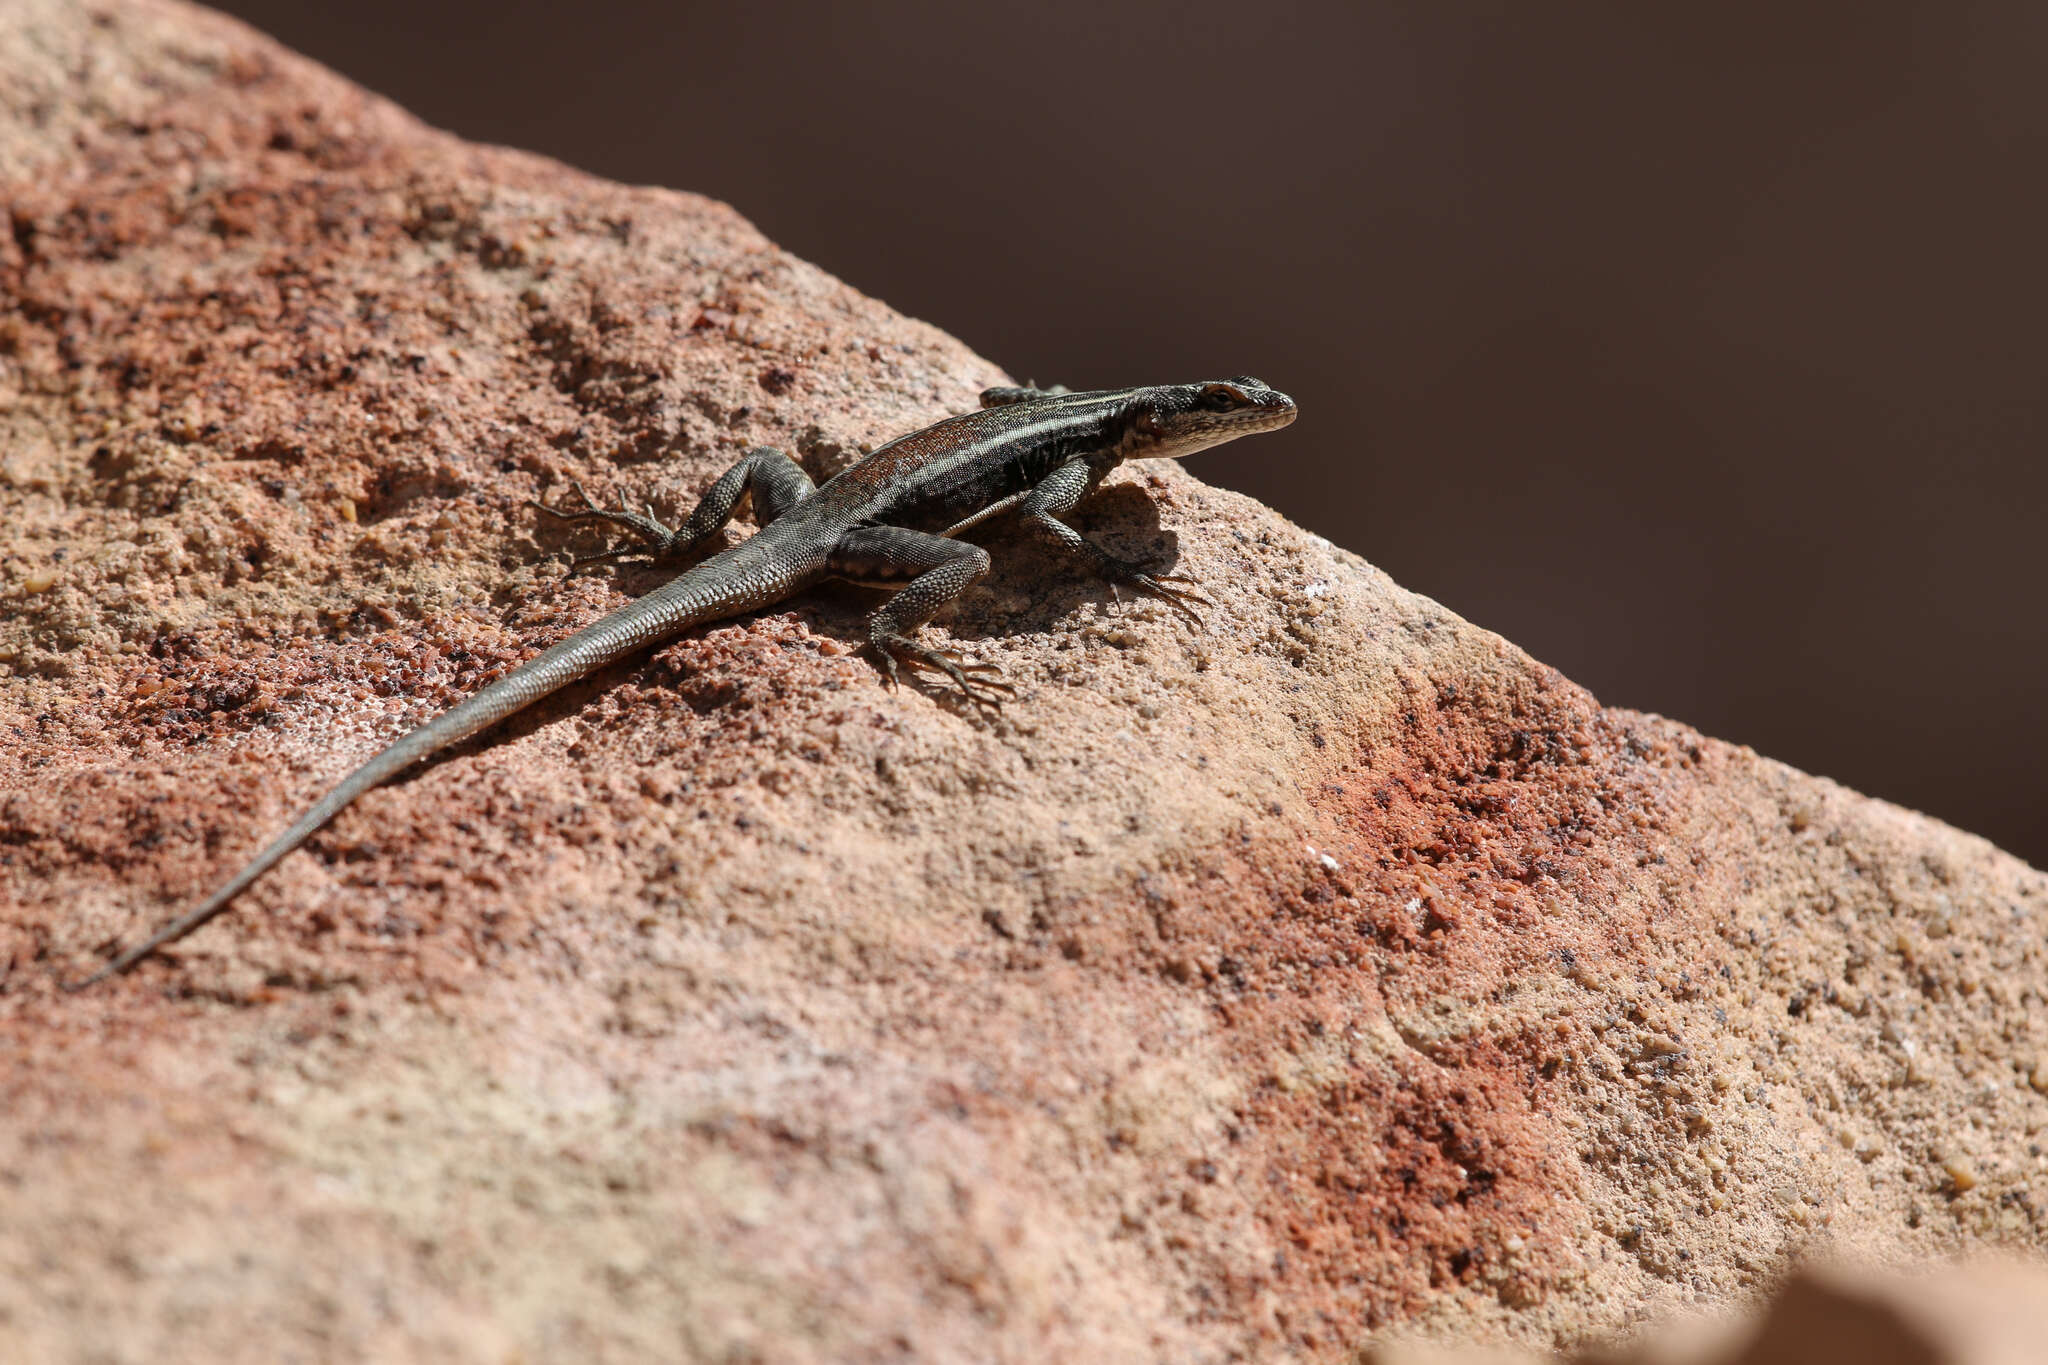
column 1700, row 350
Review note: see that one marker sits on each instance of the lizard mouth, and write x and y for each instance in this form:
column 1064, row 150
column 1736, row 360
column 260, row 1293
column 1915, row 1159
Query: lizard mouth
column 1274, row 410
column 1210, row 430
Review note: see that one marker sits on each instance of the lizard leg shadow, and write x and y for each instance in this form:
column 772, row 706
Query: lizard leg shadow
column 1057, row 494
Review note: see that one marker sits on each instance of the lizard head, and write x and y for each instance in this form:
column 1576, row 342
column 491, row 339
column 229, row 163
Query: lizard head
column 1180, row 419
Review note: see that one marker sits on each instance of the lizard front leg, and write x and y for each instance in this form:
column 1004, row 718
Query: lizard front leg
column 1058, row 493
column 776, row 482
column 930, row 572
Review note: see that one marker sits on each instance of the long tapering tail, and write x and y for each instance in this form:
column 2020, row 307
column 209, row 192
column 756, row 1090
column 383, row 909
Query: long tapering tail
column 739, row 579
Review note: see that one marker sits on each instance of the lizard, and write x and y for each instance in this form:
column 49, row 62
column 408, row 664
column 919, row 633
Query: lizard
column 891, row 520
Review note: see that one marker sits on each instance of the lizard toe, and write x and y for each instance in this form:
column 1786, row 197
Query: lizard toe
column 1182, row 599
column 980, row 683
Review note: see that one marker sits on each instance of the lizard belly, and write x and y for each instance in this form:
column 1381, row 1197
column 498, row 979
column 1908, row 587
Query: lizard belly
column 874, row 570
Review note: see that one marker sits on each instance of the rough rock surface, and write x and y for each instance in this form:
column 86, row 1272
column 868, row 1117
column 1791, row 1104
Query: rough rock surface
column 1337, row 971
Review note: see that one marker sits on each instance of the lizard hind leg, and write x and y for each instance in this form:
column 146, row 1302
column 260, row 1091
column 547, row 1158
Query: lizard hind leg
column 776, row 482
column 930, row 572
column 644, row 526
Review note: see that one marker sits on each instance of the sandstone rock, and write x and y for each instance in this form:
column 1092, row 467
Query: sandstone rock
column 1335, row 971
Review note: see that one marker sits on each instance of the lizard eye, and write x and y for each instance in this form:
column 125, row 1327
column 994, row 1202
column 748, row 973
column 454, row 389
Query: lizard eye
column 1222, row 398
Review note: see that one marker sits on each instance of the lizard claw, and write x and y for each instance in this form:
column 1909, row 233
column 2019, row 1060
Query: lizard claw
column 1178, row 591
column 657, row 541
column 604, row 556
column 981, row 684
column 588, row 509
column 891, row 676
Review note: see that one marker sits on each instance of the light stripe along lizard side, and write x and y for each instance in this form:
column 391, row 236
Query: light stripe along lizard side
column 887, row 521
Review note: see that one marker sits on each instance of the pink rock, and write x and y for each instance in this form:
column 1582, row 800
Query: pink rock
column 1337, row 969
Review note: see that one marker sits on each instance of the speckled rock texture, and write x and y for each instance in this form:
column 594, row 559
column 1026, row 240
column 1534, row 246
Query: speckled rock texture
column 1333, row 974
